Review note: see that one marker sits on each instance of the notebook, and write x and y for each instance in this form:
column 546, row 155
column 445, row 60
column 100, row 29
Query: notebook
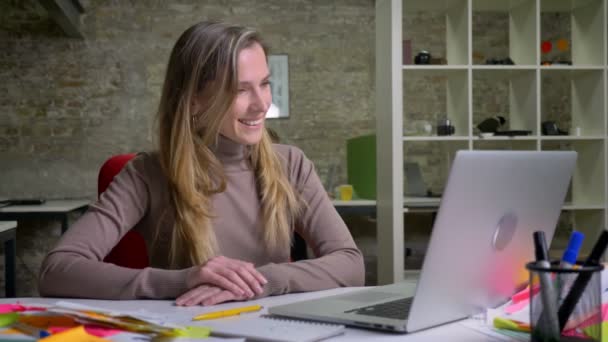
column 481, row 240
column 266, row 328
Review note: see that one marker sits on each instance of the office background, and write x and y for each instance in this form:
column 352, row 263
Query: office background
column 68, row 104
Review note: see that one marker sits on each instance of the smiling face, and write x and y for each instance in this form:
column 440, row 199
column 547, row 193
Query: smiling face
column 244, row 123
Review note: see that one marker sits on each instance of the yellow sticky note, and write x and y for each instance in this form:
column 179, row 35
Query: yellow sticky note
column 77, row 334
column 191, row 332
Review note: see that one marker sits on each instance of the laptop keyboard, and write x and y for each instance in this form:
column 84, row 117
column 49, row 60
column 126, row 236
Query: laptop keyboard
column 397, row 309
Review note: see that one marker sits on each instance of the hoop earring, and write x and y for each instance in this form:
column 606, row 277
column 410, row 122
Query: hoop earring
column 194, row 120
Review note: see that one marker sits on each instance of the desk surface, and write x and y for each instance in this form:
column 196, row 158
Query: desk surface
column 6, row 225
column 50, row 206
column 457, row 331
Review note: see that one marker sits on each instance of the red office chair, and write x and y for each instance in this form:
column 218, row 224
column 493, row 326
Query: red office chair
column 131, row 249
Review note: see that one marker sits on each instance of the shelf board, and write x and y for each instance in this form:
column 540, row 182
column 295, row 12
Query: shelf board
column 571, row 67
column 436, row 138
column 504, row 137
column 434, row 67
column 572, row 138
column 570, row 206
column 503, row 67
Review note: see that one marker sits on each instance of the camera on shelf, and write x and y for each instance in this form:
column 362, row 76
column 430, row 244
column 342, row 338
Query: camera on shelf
column 445, row 127
column 550, row 128
column 423, row 57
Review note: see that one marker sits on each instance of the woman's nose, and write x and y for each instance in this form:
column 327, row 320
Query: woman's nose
column 260, row 100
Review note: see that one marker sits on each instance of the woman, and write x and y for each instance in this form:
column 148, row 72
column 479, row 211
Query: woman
column 218, row 203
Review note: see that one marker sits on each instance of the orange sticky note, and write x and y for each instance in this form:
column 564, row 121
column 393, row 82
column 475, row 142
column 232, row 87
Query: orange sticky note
column 77, row 334
column 45, row 321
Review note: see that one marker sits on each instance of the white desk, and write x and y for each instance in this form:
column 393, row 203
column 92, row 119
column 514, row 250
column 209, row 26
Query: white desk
column 181, row 315
column 8, row 236
column 358, row 207
column 51, row 209
column 368, row 207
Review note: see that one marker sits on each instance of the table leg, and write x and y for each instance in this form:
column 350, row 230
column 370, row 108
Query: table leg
column 9, row 267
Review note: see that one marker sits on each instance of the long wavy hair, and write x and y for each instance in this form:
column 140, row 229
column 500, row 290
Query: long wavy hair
column 203, row 65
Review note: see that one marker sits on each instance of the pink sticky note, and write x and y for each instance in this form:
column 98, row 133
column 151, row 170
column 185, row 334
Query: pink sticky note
column 513, row 308
column 6, row 308
column 91, row 329
column 587, row 322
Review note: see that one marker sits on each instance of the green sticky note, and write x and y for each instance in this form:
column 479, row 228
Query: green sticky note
column 192, row 332
column 7, row 319
column 592, row 330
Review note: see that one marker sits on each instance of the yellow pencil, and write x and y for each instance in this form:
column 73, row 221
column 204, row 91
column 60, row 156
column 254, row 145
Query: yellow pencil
column 227, row 313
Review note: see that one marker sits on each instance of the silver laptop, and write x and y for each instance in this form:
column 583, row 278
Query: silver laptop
column 482, row 237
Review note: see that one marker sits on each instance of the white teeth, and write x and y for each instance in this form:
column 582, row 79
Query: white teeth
column 251, row 123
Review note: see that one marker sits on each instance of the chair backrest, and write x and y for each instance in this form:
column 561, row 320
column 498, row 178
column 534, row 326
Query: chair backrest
column 131, row 250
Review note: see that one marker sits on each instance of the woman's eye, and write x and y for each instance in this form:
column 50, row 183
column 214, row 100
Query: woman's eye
column 241, row 91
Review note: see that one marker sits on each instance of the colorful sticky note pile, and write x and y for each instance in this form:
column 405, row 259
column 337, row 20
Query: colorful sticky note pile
column 72, row 322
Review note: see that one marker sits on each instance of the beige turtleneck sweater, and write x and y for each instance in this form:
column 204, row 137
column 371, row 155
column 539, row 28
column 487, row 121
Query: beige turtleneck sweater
column 138, row 198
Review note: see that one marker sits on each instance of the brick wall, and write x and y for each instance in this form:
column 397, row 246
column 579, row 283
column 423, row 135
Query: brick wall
column 67, row 104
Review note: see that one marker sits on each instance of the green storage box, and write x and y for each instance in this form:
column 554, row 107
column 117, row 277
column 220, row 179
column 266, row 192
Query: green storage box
column 361, row 165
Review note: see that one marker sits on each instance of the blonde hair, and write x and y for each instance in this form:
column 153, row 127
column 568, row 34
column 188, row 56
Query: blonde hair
column 203, row 65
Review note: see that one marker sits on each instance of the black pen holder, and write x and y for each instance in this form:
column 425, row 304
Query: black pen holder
column 553, row 290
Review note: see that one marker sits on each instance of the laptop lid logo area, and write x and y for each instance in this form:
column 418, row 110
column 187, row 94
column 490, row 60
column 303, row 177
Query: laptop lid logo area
column 505, row 230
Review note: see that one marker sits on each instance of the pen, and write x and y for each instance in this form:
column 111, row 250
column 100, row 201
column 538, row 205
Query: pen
column 227, row 313
column 568, row 261
column 578, row 288
column 571, row 252
column 548, row 316
column 30, row 330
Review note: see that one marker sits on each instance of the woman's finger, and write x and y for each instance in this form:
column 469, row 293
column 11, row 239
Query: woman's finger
column 239, row 279
column 185, row 297
column 220, row 280
column 221, row 297
column 197, row 295
column 239, row 272
column 246, row 271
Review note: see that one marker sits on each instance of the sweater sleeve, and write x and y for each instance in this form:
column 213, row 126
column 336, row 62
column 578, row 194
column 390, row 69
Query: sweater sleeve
column 75, row 267
column 338, row 261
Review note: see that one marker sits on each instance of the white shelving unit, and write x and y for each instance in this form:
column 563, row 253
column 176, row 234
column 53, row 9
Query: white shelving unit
column 460, row 93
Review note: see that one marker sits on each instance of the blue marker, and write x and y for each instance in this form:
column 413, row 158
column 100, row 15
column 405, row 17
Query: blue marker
column 571, row 252
column 565, row 280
